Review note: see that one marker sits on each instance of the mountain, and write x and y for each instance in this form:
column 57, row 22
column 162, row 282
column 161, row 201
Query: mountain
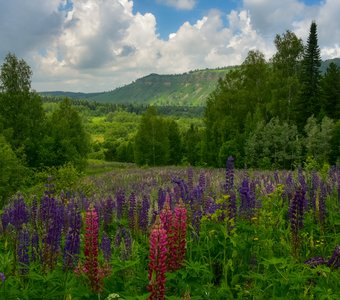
column 188, row 89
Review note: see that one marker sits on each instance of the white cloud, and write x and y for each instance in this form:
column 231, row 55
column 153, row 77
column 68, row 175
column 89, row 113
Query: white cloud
column 101, row 44
column 179, row 4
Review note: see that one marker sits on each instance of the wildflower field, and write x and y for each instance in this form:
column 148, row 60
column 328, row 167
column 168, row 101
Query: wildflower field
column 176, row 233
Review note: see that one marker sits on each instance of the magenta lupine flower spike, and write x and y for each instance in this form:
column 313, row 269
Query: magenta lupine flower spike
column 157, row 264
column 177, row 237
column 91, row 249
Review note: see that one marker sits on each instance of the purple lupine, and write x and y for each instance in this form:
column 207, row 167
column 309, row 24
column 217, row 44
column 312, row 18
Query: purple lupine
column 120, row 203
column 184, row 192
column 296, row 216
column 315, row 261
column 289, row 186
column 34, row 212
column 18, row 213
column 334, row 261
column 303, row 185
column 2, row 277
column 35, row 248
column 132, row 211
column 314, row 190
column 201, row 181
column 52, row 216
column 144, row 214
column 190, row 179
column 196, row 222
column 245, row 206
column 72, row 243
column 161, row 198
column 124, row 242
column 23, row 250
column 229, row 176
column 322, row 202
column 105, row 246
column 210, row 206
column 108, row 208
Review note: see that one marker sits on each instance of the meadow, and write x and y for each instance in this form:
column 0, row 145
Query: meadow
column 175, row 233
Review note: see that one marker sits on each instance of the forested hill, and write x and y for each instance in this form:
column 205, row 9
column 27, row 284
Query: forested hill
column 188, row 89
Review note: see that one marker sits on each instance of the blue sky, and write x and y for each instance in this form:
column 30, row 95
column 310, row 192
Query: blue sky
column 98, row 45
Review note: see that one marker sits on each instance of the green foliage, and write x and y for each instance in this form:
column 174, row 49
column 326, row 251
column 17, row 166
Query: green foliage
column 318, row 139
column 330, row 91
column 12, row 172
column 273, row 145
column 152, row 142
column 67, row 140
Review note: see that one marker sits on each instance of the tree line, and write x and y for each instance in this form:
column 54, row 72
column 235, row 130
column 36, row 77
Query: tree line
column 269, row 114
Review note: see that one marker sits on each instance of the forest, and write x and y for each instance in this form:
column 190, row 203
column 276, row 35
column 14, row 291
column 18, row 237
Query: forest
column 238, row 198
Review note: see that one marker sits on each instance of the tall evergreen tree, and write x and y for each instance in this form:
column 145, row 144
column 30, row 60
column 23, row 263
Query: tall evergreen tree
column 308, row 103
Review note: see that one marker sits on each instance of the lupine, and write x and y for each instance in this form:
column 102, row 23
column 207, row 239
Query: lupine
column 132, row 212
column 201, row 181
column 23, row 250
column 105, row 246
column 314, row 190
column 144, row 214
column 296, row 216
column 2, row 277
column 35, row 248
column 72, row 243
column 91, row 266
column 334, row 261
column 52, row 217
column 161, row 198
column 177, row 237
column 322, row 202
column 108, row 208
column 158, row 261
column 190, row 179
column 120, row 203
column 123, row 235
column 18, row 213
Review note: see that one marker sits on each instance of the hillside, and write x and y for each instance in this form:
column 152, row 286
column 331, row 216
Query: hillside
column 188, row 89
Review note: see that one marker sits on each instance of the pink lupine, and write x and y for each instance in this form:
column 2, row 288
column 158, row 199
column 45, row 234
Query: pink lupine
column 91, row 268
column 91, row 248
column 157, row 264
column 177, row 238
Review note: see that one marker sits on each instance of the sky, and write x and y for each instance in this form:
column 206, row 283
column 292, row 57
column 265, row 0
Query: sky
column 99, row 45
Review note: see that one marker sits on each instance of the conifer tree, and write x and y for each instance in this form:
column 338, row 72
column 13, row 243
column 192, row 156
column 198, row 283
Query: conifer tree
column 308, row 103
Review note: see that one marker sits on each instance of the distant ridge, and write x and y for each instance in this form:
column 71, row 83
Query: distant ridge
column 187, row 89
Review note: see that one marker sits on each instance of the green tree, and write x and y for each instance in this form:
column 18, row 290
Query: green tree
column 151, row 141
column 175, row 145
column 308, row 103
column 15, row 76
column 192, row 143
column 12, row 172
column 330, row 91
column 67, row 140
column 21, row 112
column 273, row 145
column 335, row 145
column 318, row 139
column 285, row 84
